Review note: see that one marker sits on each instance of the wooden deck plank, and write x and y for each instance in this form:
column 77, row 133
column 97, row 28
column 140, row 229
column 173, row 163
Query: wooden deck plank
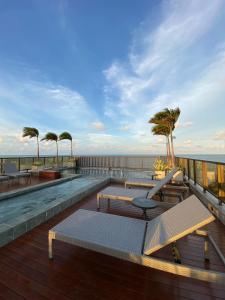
column 15, row 184
column 77, row 273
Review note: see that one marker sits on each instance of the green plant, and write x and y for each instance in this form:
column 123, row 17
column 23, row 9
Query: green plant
column 168, row 118
column 38, row 163
column 159, row 129
column 51, row 136
column 32, row 132
column 160, row 165
column 67, row 136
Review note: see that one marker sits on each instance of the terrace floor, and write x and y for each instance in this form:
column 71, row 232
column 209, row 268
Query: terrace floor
column 76, row 273
column 21, row 183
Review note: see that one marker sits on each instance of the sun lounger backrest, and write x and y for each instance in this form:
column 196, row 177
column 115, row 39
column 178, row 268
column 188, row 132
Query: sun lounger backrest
column 161, row 183
column 175, row 223
column 10, row 168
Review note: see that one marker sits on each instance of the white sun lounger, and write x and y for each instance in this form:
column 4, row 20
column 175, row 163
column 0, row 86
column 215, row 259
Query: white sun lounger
column 147, row 182
column 142, row 182
column 116, row 193
column 135, row 240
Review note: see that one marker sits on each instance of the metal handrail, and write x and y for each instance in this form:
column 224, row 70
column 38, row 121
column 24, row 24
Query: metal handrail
column 203, row 181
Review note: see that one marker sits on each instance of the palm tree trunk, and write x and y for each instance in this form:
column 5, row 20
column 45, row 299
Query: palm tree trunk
column 37, row 147
column 172, row 150
column 71, row 149
column 57, row 153
column 169, row 151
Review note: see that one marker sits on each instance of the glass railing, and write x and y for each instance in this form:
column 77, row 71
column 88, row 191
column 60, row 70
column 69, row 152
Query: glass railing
column 207, row 174
column 142, row 162
column 24, row 163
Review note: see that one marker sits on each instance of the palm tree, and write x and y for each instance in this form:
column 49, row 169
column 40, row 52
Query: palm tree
column 168, row 117
column 163, row 130
column 51, row 136
column 32, row 132
column 67, row 136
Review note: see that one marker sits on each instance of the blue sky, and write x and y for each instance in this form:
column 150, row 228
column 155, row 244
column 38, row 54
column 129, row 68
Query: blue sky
column 100, row 69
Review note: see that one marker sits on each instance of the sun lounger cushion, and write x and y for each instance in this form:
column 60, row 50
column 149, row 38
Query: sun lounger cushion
column 141, row 182
column 175, row 223
column 117, row 193
column 99, row 231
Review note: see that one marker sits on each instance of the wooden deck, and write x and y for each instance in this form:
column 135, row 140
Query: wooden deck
column 15, row 184
column 76, row 273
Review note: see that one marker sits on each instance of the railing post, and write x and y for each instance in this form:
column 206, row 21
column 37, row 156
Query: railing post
column 204, row 176
column 19, row 163
column 221, row 182
column 194, row 169
column 1, row 165
column 188, row 167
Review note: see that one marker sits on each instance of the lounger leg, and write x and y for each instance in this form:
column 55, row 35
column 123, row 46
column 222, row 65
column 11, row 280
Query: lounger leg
column 206, row 249
column 176, row 253
column 98, row 202
column 161, row 196
column 206, row 242
column 50, row 239
column 108, row 203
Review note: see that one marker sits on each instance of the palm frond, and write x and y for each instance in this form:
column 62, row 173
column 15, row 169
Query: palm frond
column 167, row 117
column 30, row 131
column 161, row 130
column 50, row 136
column 65, row 136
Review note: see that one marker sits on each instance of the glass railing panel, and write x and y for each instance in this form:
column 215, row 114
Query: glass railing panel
column 11, row 160
column 50, row 162
column 38, row 163
column 212, row 182
column 26, row 163
column 198, row 170
column 191, row 169
column 221, row 183
column 183, row 164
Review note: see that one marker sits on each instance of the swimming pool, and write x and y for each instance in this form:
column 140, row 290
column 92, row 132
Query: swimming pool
column 21, row 213
column 114, row 173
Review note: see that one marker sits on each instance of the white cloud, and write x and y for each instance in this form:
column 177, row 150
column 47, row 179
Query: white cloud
column 125, row 127
column 164, row 69
column 182, row 24
column 186, row 124
column 188, row 142
column 220, row 135
column 43, row 105
column 98, row 125
column 157, row 54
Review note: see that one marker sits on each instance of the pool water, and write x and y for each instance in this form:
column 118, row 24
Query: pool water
column 105, row 172
column 27, row 203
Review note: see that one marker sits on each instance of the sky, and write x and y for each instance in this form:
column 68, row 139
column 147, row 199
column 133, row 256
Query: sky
column 101, row 69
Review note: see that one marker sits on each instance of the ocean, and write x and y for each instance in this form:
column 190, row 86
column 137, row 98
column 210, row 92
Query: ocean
column 208, row 157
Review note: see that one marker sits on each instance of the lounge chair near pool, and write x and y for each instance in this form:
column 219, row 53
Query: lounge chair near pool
column 136, row 240
column 146, row 182
column 117, row 193
column 11, row 171
column 4, row 178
